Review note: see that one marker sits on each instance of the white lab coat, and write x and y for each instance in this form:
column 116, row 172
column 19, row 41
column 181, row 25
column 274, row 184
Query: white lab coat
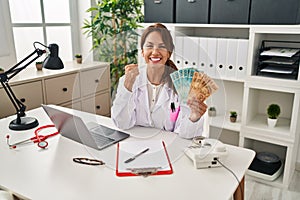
column 132, row 109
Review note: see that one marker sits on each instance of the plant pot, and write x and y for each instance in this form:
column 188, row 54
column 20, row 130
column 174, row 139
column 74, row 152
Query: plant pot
column 212, row 113
column 39, row 66
column 79, row 60
column 272, row 122
column 233, row 119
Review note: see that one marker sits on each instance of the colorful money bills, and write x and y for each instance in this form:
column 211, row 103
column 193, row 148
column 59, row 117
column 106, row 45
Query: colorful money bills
column 190, row 82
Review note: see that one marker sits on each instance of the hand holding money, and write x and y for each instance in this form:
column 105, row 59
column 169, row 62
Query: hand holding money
column 193, row 87
column 197, row 107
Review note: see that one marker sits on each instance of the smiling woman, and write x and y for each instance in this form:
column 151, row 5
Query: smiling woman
column 145, row 94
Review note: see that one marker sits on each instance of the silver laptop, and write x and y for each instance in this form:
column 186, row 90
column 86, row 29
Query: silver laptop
column 72, row 127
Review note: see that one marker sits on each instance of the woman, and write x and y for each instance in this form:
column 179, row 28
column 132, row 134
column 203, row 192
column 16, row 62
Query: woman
column 144, row 96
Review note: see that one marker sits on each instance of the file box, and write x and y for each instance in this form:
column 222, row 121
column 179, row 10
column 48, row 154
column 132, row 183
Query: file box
column 229, row 12
column 271, row 12
column 159, row 11
column 192, row 11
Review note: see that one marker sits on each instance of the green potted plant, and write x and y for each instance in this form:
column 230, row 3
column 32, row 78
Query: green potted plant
column 273, row 111
column 39, row 65
column 78, row 58
column 233, row 116
column 113, row 28
column 212, row 111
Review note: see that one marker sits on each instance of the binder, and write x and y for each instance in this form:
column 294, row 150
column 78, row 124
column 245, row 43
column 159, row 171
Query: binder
column 179, row 51
column 242, row 57
column 155, row 161
column 211, row 57
column 221, row 57
column 190, row 52
column 231, row 58
column 202, row 54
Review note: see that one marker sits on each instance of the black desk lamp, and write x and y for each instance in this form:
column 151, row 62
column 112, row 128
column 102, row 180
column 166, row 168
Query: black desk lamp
column 52, row 61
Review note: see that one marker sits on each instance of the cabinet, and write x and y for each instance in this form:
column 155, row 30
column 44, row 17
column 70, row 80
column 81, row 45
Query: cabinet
column 245, row 92
column 83, row 87
column 65, row 88
column 95, row 87
column 32, row 97
column 259, row 92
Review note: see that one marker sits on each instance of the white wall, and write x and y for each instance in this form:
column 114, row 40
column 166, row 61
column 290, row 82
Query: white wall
column 85, row 42
column 7, row 52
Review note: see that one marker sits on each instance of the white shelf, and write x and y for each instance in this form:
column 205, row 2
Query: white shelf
column 276, row 183
column 232, row 79
column 277, row 82
column 222, row 121
column 259, row 123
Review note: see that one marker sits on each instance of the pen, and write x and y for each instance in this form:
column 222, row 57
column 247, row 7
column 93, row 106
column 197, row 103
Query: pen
column 135, row 156
column 173, row 107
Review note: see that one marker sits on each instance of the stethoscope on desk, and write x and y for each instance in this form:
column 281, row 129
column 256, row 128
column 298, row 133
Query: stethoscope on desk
column 39, row 139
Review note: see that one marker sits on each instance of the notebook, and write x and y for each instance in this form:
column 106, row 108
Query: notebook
column 72, row 127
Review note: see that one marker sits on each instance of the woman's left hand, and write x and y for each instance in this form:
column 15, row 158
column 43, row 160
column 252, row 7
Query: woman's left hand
column 197, row 107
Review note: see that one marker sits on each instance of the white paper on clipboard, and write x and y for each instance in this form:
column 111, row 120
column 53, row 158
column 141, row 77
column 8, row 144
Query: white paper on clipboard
column 155, row 158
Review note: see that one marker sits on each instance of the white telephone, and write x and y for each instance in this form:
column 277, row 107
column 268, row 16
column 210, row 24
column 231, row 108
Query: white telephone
column 206, row 152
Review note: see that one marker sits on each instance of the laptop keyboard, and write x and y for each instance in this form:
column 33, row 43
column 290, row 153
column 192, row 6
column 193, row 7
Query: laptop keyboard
column 101, row 129
column 101, row 140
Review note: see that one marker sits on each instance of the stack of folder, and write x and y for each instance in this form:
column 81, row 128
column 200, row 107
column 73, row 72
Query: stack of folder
column 278, row 61
column 221, row 58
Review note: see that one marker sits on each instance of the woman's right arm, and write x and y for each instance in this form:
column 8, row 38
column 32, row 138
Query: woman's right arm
column 123, row 111
column 123, row 108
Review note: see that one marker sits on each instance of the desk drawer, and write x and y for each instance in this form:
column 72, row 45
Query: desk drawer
column 62, row 89
column 93, row 81
column 31, row 94
column 99, row 104
column 76, row 105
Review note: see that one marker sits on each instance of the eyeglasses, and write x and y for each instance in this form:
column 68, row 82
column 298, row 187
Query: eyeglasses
column 88, row 161
column 151, row 46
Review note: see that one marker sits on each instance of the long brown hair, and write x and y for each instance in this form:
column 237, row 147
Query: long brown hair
column 166, row 37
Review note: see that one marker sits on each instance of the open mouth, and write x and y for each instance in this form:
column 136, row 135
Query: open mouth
column 155, row 59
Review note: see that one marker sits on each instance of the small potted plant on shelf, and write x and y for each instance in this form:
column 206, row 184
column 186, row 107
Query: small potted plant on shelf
column 273, row 112
column 39, row 65
column 78, row 58
column 212, row 111
column 233, row 116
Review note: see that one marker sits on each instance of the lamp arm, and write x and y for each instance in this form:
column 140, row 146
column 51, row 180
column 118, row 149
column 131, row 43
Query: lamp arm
column 19, row 106
column 7, row 75
column 15, row 70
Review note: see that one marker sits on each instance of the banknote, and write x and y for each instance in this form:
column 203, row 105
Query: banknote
column 202, row 86
column 176, row 82
column 182, row 79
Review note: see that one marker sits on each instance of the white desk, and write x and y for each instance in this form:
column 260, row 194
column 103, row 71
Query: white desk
column 51, row 174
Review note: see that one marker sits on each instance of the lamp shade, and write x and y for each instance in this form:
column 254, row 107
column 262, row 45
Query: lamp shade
column 52, row 61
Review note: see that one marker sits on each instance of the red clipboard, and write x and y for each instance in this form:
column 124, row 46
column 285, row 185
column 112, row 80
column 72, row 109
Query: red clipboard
column 156, row 161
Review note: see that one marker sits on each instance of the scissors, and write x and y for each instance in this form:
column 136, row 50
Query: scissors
column 39, row 139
